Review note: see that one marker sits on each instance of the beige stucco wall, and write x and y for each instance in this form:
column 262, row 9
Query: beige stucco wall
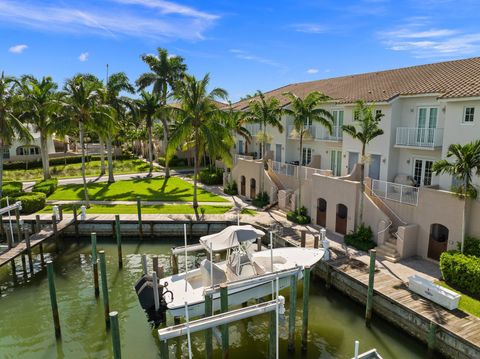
column 253, row 169
column 376, row 219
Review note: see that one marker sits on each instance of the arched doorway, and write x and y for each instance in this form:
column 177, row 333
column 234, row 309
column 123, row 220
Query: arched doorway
column 253, row 191
column 321, row 212
column 438, row 241
column 341, row 219
column 242, row 185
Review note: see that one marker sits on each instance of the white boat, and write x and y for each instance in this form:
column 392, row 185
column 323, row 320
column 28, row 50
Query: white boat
column 248, row 274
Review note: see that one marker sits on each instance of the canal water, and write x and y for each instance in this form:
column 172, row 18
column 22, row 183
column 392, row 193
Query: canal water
column 26, row 328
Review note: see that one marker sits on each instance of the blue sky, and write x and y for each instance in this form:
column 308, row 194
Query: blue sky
column 245, row 45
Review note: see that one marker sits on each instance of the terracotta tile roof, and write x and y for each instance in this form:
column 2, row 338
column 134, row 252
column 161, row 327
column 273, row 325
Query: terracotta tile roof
column 451, row 79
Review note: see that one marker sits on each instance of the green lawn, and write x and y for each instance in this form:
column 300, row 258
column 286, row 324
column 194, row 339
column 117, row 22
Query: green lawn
column 149, row 189
column 467, row 303
column 250, row 212
column 156, row 209
column 92, row 169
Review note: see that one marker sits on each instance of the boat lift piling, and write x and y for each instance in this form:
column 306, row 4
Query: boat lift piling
column 292, row 312
column 75, row 221
column 103, row 273
column 306, row 293
column 29, row 250
column 144, row 264
column 224, row 309
column 53, row 299
column 118, row 235
column 95, row 264
column 371, row 277
column 139, row 211
column 117, row 349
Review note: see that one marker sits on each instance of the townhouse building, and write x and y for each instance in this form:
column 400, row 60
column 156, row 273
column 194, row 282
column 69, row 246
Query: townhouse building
column 425, row 109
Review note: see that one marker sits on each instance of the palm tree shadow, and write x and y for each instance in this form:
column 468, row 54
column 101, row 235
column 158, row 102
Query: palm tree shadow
column 164, row 185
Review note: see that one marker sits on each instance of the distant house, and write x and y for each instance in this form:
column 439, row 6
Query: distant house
column 28, row 151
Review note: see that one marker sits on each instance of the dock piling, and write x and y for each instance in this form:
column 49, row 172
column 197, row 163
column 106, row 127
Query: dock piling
column 306, row 292
column 53, row 299
column 292, row 312
column 37, row 223
column 117, row 349
column 60, row 212
column 139, row 211
column 371, row 277
column 29, row 250
column 174, row 262
column 42, row 257
column 156, row 296
column 432, row 330
column 155, row 264
column 75, row 221
column 224, row 309
column 119, row 240
column 103, row 274
column 208, row 332
column 144, row 264
column 272, row 345
column 303, row 239
column 24, row 265
column 55, row 233
column 95, row 264
column 17, row 222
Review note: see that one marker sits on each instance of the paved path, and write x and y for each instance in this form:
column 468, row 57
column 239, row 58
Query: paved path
column 146, row 203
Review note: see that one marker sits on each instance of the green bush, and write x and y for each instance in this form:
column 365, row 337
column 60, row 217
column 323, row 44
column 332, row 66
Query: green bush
column 299, row 216
column 174, row 161
column 231, row 188
column 261, row 200
column 11, row 188
column 461, row 271
column 46, row 186
column 471, row 246
column 31, row 202
column 211, row 176
column 361, row 239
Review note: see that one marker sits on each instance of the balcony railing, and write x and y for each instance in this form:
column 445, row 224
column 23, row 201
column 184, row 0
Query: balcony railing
column 419, row 137
column 288, row 169
column 237, row 157
column 318, row 133
column 395, row 192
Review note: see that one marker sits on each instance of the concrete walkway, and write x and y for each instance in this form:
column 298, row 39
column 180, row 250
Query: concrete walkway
column 145, row 203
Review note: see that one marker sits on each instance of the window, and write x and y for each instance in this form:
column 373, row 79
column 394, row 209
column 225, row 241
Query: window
column 6, row 153
column 468, row 114
column 336, row 162
column 306, row 156
column 337, row 123
column 378, row 113
column 28, row 150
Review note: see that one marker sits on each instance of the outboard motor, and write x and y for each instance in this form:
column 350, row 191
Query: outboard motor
column 144, row 289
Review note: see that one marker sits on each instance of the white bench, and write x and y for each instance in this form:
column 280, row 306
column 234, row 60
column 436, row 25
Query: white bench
column 436, row 293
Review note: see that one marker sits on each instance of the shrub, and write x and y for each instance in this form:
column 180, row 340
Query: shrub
column 11, row 188
column 361, row 238
column 231, row 188
column 174, row 161
column 261, row 200
column 461, row 271
column 471, row 246
column 211, row 176
column 46, row 186
column 299, row 216
column 31, row 202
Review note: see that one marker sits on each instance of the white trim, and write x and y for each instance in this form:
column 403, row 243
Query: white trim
column 468, row 123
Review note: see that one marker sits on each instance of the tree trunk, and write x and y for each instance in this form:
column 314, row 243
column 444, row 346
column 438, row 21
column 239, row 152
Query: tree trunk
column 1, row 167
column 85, row 190
column 299, row 172
column 165, row 145
column 362, row 184
column 44, row 155
column 150, row 149
column 195, row 175
column 102, row 155
column 111, row 178
column 464, row 214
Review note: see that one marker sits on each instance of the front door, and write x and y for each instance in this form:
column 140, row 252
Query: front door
column 336, row 162
column 306, row 156
column 278, row 153
column 422, row 172
column 321, row 212
column 374, row 167
column 337, row 123
column 352, row 161
column 426, row 124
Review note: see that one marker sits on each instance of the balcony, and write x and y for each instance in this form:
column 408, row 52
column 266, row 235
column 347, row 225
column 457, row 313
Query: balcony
column 424, row 138
column 395, row 192
column 318, row 133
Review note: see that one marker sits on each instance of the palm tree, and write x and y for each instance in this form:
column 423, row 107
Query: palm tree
column 304, row 112
column 147, row 107
column 115, row 84
column 466, row 163
column 365, row 128
column 200, row 122
column 265, row 112
column 10, row 125
column 165, row 70
column 235, row 120
column 84, row 105
column 41, row 108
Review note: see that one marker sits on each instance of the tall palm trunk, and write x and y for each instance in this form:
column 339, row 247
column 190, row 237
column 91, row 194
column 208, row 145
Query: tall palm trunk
column 195, row 174
column 85, row 190
column 165, row 145
column 299, row 172
column 102, row 155
column 362, row 183
column 464, row 215
column 44, row 155
column 1, row 167
column 150, row 147
column 111, row 178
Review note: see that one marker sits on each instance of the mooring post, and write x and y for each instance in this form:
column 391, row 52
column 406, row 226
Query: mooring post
column 174, row 261
column 95, row 264
column 155, row 264
column 24, row 265
column 119, row 240
column 117, row 349
column 156, row 296
column 303, row 239
column 371, row 277
column 292, row 312
column 224, row 309
column 272, row 345
column 144, row 264
column 29, row 250
column 103, row 274
column 42, row 258
column 53, row 298
column 14, row 270
column 60, row 212
column 209, row 331
column 55, row 233
column 8, row 234
column 306, row 293
column 139, row 210
column 163, row 349
column 75, row 220
column 17, row 222
column 431, row 337
column 37, row 223
column 315, row 241
column 259, row 244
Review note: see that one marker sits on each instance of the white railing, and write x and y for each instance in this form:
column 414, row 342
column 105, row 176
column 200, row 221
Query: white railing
column 290, row 170
column 395, row 192
column 318, row 133
column 237, row 157
column 419, row 137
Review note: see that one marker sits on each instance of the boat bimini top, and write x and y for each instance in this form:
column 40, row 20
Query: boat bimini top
column 230, row 237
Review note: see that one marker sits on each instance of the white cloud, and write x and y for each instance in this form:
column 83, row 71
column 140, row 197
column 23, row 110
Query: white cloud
column 310, row 28
column 83, row 56
column 17, row 49
column 171, row 21
column 241, row 54
column 312, row 71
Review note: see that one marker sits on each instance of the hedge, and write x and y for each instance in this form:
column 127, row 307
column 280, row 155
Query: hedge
column 461, row 271
column 46, row 186
column 299, row 216
column 57, row 161
column 361, row 238
column 174, row 162
column 471, row 246
column 11, row 188
column 31, row 202
column 261, row 200
column 231, row 188
column 211, row 176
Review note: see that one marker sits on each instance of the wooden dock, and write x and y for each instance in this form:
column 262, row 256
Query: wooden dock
column 35, row 240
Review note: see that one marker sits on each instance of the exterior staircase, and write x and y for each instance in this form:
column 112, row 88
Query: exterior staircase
column 388, row 250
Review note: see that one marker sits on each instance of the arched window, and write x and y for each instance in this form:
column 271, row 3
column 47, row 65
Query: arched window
column 321, row 212
column 341, row 219
column 253, row 189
